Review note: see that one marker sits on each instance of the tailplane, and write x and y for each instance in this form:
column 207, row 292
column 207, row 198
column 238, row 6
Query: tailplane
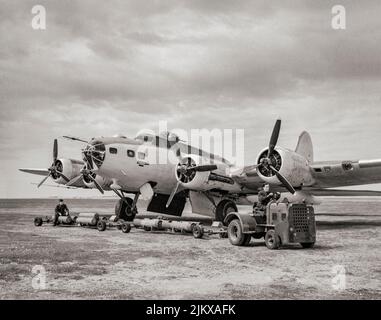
column 304, row 146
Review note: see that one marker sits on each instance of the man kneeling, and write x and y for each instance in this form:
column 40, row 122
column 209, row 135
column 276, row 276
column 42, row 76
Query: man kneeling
column 61, row 210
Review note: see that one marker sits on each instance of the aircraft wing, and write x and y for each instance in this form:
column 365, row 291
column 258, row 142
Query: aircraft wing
column 40, row 172
column 326, row 174
column 332, row 174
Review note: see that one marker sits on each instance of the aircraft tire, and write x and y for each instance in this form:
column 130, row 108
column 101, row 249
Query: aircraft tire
column 224, row 207
column 124, row 211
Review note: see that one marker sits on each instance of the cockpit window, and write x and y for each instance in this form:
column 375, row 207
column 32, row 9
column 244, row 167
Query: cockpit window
column 113, row 150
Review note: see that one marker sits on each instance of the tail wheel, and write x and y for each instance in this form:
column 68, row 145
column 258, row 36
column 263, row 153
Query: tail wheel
column 197, row 231
column 101, row 225
column 272, row 240
column 124, row 210
column 223, row 208
column 236, row 235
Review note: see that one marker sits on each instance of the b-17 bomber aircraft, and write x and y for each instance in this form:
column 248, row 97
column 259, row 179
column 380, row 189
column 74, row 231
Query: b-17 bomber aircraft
column 213, row 186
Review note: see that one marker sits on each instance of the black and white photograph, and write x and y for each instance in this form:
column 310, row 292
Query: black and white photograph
column 190, row 150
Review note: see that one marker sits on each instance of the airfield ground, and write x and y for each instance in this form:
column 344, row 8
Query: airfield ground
column 83, row 263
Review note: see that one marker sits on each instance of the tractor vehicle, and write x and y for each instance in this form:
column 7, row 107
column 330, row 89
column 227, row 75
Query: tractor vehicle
column 281, row 223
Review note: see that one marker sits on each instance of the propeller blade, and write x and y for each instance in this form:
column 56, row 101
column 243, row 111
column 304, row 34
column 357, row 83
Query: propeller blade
column 63, row 176
column 74, row 180
column 174, row 191
column 74, row 139
column 274, row 137
column 43, row 180
column 96, row 184
column 203, row 168
column 55, row 150
column 284, row 181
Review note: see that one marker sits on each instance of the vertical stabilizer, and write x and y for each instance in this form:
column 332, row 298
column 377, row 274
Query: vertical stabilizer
column 304, row 146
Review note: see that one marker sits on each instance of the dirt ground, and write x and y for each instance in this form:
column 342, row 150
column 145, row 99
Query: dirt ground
column 83, row 263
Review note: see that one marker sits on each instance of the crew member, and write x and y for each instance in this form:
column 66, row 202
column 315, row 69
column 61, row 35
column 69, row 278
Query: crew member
column 264, row 196
column 61, row 210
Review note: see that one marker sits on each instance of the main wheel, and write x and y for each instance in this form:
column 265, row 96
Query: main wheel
column 101, row 225
column 236, row 235
column 197, row 231
column 124, row 211
column 307, row 245
column 126, row 227
column 272, row 240
column 38, row 222
column 223, row 208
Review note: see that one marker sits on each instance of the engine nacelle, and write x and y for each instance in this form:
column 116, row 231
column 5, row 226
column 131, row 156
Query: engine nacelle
column 204, row 180
column 70, row 168
column 104, row 183
column 294, row 167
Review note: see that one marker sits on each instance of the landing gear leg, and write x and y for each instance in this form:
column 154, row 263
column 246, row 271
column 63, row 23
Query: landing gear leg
column 125, row 208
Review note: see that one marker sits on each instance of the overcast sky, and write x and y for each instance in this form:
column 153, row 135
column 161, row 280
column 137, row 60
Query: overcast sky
column 107, row 67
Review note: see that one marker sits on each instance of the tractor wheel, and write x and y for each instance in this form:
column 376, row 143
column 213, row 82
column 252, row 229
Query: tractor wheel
column 307, row 245
column 272, row 240
column 223, row 208
column 197, row 231
column 38, row 222
column 101, row 225
column 235, row 233
column 126, row 227
column 247, row 239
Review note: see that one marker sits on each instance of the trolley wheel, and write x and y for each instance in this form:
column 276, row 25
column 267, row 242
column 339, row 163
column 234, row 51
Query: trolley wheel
column 307, row 245
column 235, row 233
column 147, row 228
column 272, row 240
column 126, row 227
column 38, row 222
column 101, row 225
column 197, row 231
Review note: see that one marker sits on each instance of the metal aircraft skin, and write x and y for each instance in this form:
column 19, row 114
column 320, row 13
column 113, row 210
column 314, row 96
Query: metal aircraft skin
column 211, row 183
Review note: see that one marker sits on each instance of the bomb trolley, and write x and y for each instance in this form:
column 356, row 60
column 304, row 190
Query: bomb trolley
column 160, row 223
column 281, row 223
column 83, row 219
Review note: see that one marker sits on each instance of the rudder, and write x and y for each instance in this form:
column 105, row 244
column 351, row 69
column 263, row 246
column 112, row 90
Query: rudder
column 304, row 146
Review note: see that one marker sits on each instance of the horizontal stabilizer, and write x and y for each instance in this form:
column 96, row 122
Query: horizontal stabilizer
column 304, row 146
column 40, row 172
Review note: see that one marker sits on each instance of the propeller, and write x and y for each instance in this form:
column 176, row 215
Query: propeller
column 55, row 170
column 86, row 174
column 186, row 171
column 266, row 164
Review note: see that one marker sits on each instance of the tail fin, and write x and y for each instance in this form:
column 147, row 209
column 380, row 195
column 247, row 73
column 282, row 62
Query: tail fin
column 304, row 146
